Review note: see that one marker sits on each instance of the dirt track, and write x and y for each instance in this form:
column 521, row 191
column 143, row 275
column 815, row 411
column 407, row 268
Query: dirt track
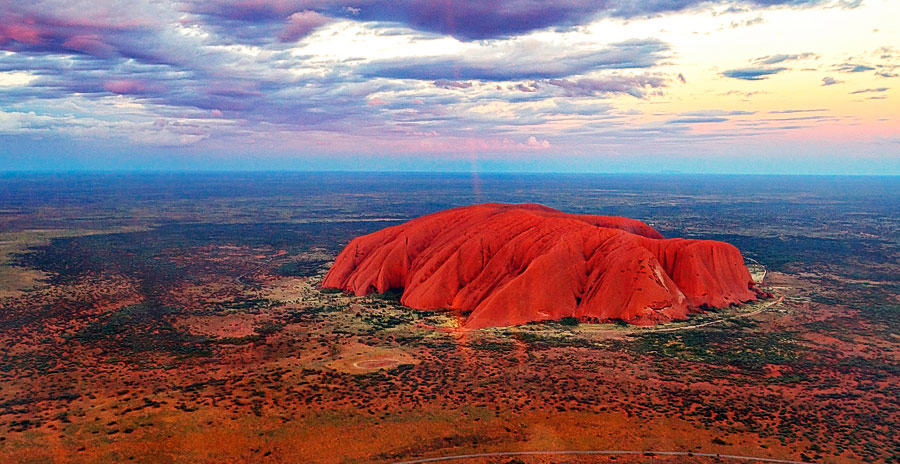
column 598, row 453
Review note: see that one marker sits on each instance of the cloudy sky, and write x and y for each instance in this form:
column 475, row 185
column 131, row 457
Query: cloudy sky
column 767, row 86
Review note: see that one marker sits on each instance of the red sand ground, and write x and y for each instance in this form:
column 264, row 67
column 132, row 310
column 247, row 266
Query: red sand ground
column 513, row 264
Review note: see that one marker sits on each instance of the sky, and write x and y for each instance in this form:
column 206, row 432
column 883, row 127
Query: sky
column 718, row 86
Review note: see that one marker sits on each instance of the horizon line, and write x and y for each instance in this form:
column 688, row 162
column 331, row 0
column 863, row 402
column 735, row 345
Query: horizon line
column 5, row 173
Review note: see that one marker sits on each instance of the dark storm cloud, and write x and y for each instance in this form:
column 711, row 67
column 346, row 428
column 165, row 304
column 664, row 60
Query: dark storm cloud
column 463, row 19
column 301, row 24
column 636, row 8
column 752, row 74
column 168, row 58
column 109, row 30
column 136, row 49
column 136, row 29
column 521, row 60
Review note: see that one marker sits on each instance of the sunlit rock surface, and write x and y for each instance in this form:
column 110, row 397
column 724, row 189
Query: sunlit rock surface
column 513, row 264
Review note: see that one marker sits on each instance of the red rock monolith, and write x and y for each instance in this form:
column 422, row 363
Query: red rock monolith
column 514, row 264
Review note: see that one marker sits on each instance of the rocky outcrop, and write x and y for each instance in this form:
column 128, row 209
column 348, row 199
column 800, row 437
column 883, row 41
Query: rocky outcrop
column 513, row 264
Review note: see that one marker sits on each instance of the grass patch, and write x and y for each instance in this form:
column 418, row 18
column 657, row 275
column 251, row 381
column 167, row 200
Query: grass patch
column 731, row 347
column 142, row 328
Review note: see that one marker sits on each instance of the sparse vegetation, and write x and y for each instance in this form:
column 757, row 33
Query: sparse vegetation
column 211, row 328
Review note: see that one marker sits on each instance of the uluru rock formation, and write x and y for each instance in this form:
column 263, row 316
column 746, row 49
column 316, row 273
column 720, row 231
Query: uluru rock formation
column 513, row 264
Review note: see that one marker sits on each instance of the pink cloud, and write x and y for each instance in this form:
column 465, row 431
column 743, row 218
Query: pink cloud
column 99, row 29
column 237, row 90
column 460, row 145
column 90, row 44
column 301, row 24
column 125, row 86
column 534, row 143
column 20, row 33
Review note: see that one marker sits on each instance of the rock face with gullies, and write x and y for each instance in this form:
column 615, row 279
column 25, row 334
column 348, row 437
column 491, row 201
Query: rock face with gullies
column 514, row 264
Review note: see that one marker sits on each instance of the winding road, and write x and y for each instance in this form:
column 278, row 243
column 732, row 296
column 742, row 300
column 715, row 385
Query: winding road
column 733, row 457
column 727, row 318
